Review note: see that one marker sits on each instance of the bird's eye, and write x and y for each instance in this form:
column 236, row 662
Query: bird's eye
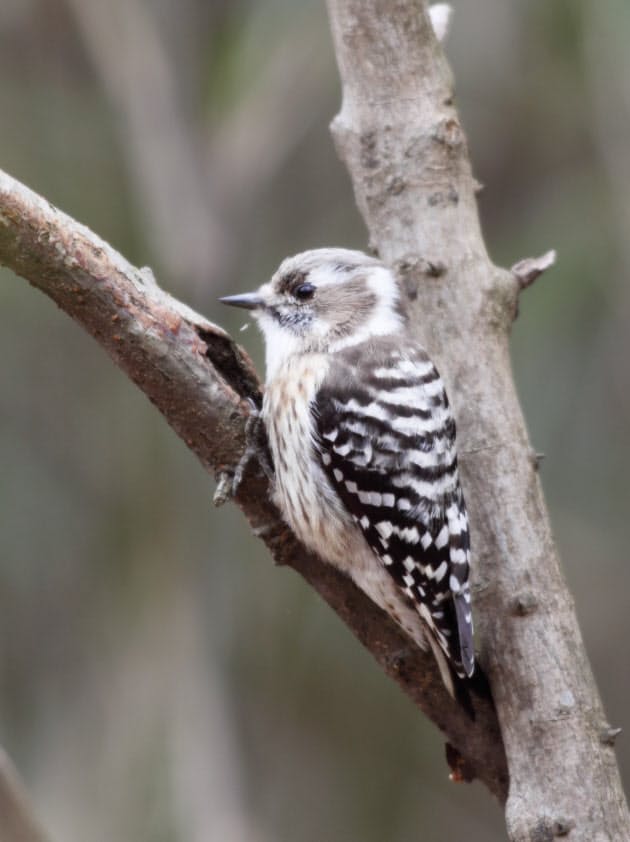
column 304, row 292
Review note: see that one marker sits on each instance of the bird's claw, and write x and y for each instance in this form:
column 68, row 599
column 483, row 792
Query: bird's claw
column 256, row 448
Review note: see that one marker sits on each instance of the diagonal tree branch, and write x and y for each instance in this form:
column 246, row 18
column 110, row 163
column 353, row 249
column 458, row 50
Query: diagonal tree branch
column 199, row 379
column 401, row 139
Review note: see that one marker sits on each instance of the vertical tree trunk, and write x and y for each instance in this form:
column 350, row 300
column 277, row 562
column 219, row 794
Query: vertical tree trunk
column 401, row 139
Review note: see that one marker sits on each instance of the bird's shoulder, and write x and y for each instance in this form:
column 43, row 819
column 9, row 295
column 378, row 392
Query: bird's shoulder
column 384, row 385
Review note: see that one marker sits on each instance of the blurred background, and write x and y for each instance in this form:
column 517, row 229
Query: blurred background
column 159, row 679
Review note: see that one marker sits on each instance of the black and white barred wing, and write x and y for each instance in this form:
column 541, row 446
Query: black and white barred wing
column 386, row 439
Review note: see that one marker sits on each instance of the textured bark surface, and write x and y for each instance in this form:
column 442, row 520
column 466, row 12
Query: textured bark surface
column 401, row 139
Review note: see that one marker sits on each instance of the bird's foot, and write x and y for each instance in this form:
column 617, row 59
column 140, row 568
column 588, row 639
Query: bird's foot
column 256, row 449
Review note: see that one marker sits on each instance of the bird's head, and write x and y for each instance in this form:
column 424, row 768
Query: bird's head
column 321, row 301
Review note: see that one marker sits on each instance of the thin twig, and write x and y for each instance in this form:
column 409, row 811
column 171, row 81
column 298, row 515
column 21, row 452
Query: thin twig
column 529, row 269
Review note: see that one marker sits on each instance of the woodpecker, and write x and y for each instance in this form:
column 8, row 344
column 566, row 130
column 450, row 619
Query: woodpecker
column 363, row 443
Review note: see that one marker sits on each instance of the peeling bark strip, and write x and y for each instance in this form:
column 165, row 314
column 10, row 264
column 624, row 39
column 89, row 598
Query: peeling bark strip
column 400, row 137
column 199, row 379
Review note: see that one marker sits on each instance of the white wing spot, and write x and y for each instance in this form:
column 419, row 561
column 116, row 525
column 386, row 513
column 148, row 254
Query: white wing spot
column 426, row 541
column 326, row 458
column 365, row 522
column 374, row 498
column 442, row 538
column 409, row 534
column 351, row 486
column 459, row 556
column 440, row 573
column 389, row 500
column 409, row 564
column 454, row 584
column 338, row 475
column 332, row 435
column 384, row 528
column 387, row 560
column 403, row 504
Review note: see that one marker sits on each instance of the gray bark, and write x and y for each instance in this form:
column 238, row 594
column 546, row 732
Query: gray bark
column 401, row 139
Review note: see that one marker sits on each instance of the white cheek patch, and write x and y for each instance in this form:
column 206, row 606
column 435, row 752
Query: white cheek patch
column 384, row 318
column 382, row 283
column 279, row 343
column 319, row 327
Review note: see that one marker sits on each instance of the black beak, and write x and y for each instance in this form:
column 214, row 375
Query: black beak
column 248, row 301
